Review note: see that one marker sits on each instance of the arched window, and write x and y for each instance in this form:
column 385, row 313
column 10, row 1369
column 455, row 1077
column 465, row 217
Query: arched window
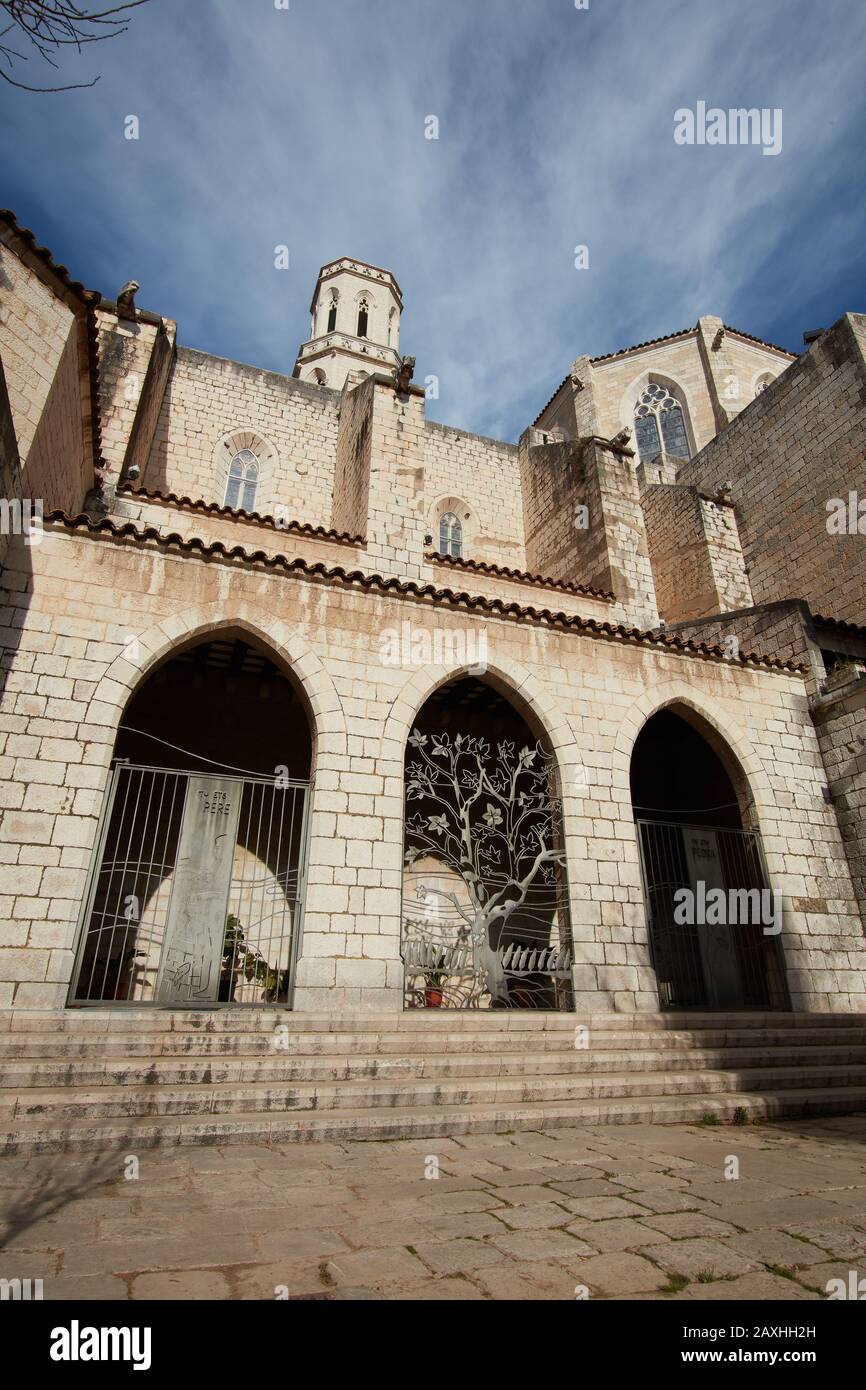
column 363, row 318
column 763, row 382
column 659, row 425
column 450, row 535
column 332, row 315
column 242, row 481
column 392, row 323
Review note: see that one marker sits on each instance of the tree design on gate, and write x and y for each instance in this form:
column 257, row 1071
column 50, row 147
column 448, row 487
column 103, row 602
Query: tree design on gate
column 493, row 821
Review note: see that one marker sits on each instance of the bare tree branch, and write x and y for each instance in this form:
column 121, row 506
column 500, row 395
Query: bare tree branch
column 51, row 25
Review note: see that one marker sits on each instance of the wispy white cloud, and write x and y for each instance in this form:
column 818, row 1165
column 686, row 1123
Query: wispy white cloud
column 262, row 126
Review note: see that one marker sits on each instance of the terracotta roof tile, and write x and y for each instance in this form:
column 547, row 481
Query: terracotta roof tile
column 521, row 576
column 300, row 528
column 410, row 588
column 45, row 256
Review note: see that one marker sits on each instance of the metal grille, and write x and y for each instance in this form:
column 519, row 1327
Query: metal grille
column 682, row 960
column 485, row 900
column 137, row 888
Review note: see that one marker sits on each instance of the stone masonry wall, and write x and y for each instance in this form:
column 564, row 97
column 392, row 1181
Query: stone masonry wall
column 797, row 445
column 679, row 553
column 10, row 463
column 713, row 383
column 208, row 398
column 125, row 350
column 841, row 722
column 695, row 552
column 72, row 666
column 485, row 475
column 35, row 327
column 42, row 348
column 350, row 508
column 779, row 630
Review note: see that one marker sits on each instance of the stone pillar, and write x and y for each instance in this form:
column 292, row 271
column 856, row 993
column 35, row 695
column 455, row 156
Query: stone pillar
column 583, row 521
column 722, row 381
column 694, row 547
column 379, row 479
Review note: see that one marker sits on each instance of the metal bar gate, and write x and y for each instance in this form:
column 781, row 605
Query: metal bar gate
column 195, row 891
column 703, row 962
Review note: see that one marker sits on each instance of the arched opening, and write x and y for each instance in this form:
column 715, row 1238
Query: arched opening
column 713, row 920
column 363, row 318
column 485, row 901
column 660, row 425
column 450, row 535
column 194, row 895
column 242, row 481
column 765, row 380
column 332, row 314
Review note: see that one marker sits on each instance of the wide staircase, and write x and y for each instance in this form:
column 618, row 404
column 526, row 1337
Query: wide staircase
column 84, row 1080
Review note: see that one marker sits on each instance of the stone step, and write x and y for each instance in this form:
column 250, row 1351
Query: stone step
column 363, row 1094
column 131, row 1021
column 32, row 1135
column 46, row 1045
column 287, row 1069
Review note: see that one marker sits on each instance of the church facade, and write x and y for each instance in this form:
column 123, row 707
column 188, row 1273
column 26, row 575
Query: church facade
column 312, row 702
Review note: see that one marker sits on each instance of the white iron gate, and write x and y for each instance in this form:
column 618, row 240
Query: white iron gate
column 195, row 891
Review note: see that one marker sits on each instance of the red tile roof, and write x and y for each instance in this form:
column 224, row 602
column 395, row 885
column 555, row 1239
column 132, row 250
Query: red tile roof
column 521, row 576
column 301, row 528
column 336, row 575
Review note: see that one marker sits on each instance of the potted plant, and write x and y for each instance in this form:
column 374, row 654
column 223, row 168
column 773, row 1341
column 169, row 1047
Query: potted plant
column 434, row 981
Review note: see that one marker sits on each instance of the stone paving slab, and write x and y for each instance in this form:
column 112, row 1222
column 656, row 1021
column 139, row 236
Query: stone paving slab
column 637, row 1212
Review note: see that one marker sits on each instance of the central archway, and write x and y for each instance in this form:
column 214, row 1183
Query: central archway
column 485, row 918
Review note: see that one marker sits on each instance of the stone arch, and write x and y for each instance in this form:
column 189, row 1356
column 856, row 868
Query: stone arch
column 526, row 692
column 759, row 970
column 145, row 651
column 648, row 377
column 761, row 381
column 535, row 707
column 517, row 684
column 230, row 444
column 714, row 723
column 464, row 513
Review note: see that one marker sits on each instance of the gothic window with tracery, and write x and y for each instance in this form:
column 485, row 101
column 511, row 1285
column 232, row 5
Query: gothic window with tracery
column 242, row 481
column 332, row 315
column 450, row 535
column 363, row 318
column 659, row 425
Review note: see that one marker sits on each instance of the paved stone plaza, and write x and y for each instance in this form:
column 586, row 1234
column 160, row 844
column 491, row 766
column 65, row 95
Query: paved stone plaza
column 641, row 1211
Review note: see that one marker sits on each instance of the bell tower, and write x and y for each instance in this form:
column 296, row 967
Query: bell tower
column 356, row 313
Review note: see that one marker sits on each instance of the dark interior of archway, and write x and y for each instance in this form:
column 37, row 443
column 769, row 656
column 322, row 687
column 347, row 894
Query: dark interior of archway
column 224, row 701
column 469, row 706
column 676, row 776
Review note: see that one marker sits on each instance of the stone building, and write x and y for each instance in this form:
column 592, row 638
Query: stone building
column 251, row 611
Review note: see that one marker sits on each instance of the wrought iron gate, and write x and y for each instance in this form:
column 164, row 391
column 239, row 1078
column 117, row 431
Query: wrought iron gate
column 195, row 892
column 702, row 962
column 485, row 920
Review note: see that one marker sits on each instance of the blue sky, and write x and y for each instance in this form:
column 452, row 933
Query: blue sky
column 305, row 127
